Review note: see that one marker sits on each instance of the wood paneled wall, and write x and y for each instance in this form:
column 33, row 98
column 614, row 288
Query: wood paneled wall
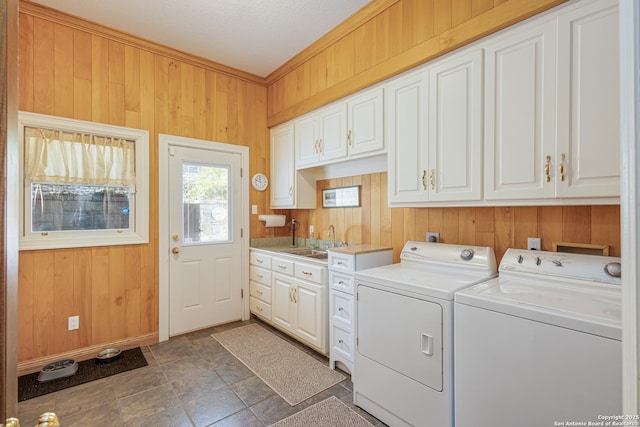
column 385, row 38
column 499, row 227
column 72, row 68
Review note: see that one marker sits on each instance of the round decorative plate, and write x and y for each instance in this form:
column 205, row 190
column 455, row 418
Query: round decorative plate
column 259, row 182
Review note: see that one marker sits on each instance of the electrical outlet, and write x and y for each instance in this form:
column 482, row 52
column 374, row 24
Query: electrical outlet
column 433, row 237
column 74, row 323
column 533, row 244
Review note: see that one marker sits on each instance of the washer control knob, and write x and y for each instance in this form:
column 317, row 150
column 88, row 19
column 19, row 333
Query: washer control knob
column 520, row 259
column 467, row 254
column 613, row 269
column 538, row 260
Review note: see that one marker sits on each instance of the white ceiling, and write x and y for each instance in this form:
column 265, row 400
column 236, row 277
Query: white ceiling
column 256, row 36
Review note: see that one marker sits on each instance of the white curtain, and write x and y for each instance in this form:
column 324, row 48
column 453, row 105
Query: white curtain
column 75, row 158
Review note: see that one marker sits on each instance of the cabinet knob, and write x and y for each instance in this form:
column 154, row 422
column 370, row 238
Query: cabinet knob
column 562, row 167
column 340, row 309
column 424, row 179
column 432, row 178
column 349, row 137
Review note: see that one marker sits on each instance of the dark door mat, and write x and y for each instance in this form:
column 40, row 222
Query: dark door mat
column 88, row 370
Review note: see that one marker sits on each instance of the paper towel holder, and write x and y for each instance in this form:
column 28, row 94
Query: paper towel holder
column 273, row 220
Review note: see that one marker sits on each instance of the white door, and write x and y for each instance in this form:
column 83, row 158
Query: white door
column 333, row 133
column 282, row 310
column 407, row 136
column 282, row 167
column 520, row 114
column 455, row 128
column 307, row 299
column 366, row 123
column 307, row 140
column 205, row 221
column 588, row 101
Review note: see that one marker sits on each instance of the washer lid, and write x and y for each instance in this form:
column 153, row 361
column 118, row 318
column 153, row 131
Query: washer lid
column 435, row 281
column 590, row 308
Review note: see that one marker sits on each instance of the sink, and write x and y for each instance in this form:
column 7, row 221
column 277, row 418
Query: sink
column 309, row 253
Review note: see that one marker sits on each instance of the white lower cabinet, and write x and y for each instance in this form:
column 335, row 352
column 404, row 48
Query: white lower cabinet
column 297, row 301
column 343, row 263
column 260, row 285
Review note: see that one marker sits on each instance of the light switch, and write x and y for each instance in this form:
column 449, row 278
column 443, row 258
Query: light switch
column 254, row 209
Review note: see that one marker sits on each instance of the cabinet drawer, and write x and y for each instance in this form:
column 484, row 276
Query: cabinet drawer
column 259, row 308
column 260, row 291
column 341, row 308
column 341, row 282
column 341, row 262
column 260, row 259
column 283, row 266
column 342, row 341
column 260, row 275
column 309, row 272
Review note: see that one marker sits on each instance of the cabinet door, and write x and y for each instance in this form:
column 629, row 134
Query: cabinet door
column 455, row 128
column 365, row 118
column 407, row 157
column 307, row 141
column 309, row 313
column 333, row 133
column 588, row 102
column 282, row 303
column 282, row 167
column 520, row 113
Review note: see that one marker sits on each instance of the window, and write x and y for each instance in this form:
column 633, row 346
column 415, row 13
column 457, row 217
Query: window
column 84, row 184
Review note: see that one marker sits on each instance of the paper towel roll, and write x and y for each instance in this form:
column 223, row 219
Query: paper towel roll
column 273, row 220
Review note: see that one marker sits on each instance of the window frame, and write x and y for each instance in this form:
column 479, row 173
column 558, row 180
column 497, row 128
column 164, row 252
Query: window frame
column 138, row 232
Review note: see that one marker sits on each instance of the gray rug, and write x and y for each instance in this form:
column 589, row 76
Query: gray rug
column 291, row 373
column 330, row 412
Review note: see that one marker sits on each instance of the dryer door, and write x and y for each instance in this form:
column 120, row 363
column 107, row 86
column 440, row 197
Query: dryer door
column 401, row 333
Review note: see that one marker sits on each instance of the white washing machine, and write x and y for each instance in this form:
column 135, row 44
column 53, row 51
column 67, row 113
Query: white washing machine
column 540, row 344
column 404, row 331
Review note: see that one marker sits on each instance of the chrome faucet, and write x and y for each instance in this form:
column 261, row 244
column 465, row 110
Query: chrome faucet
column 332, row 233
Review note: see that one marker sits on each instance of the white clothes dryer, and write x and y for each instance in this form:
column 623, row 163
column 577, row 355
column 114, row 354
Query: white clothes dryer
column 541, row 344
column 404, row 331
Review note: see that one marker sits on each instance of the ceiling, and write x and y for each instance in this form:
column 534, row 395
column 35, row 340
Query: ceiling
column 255, row 36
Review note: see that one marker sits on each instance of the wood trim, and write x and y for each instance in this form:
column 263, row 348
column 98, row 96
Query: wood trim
column 86, row 353
column 8, row 217
column 363, row 15
column 487, row 23
column 56, row 16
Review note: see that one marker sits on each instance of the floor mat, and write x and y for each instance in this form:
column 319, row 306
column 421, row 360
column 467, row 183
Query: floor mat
column 88, row 370
column 328, row 413
column 294, row 375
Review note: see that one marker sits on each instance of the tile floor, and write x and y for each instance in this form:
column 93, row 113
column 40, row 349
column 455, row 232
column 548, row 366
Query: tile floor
column 191, row 380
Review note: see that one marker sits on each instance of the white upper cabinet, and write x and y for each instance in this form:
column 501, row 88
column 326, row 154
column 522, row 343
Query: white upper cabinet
column 282, row 166
column 407, row 138
column 322, row 136
column 434, row 122
column 365, row 130
column 520, row 113
column 552, row 128
column 349, row 129
column 288, row 187
column 455, row 128
column 588, row 102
